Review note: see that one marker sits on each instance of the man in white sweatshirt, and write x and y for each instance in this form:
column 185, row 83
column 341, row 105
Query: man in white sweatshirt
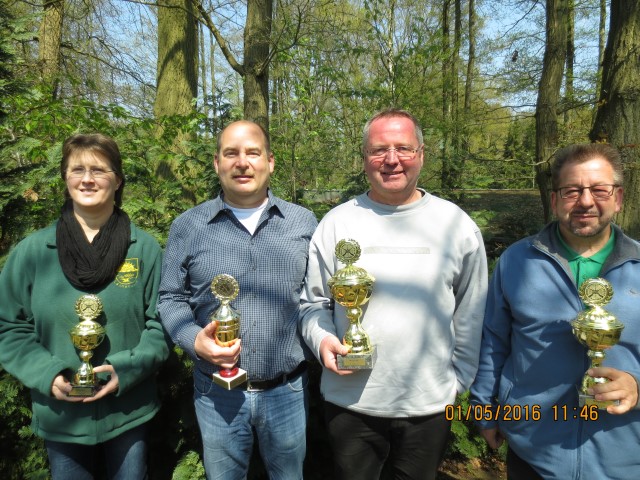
column 424, row 316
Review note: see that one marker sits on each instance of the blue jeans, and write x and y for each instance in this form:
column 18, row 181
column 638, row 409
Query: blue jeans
column 125, row 457
column 227, row 420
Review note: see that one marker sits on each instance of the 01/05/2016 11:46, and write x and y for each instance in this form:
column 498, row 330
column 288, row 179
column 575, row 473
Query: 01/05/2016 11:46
column 516, row 413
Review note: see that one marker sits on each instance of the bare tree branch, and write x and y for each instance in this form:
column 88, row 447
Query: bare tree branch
column 208, row 22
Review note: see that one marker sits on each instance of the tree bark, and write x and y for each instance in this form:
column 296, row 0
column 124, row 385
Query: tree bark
column 49, row 42
column 446, row 175
column 549, row 96
column 468, row 87
column 458, row 157
column 569, row 95
column 452, row 141
column 177, row 76
column 203, row 77
column 618, row 117
column 471, row 58
column 257, row 36
column 602, row 40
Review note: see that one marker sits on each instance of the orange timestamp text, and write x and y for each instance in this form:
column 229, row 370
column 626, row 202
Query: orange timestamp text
column 563, row 413
column 505, row 413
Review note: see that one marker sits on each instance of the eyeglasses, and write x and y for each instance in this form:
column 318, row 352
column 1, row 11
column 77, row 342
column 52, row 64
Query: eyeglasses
column 600, row 192
column 94, row 172
column 402, row 152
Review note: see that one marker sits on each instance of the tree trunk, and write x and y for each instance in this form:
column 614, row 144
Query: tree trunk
column 177, row 77
column 569, row 97
column 602, row 40
column 451, row 150
column 214, row 97
column 390, row 59
column 549, row 96
column 618, row 117
column 257, row 33
column 471, row 58
column 468, row 88
column 49, row 42
column 206, row 109
column 446, row 175
column 458, row 157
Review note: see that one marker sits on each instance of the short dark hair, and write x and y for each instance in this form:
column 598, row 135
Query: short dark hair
column 583, row 152
column 265, row 134
column 94, row 142
column 391, row 113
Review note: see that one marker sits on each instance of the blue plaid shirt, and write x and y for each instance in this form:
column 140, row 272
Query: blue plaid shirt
column 269, row 265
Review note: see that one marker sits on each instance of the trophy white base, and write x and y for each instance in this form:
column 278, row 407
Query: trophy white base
column 230, row 382
column 358, row 361
column 588, row 400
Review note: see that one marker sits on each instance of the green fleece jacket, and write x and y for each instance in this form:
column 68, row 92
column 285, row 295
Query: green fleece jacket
column 36, row 314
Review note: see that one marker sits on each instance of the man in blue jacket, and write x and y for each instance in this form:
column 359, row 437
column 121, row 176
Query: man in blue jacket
column 530, row 362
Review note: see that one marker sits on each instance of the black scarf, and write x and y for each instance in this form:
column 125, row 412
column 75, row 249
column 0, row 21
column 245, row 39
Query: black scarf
column 91, row 265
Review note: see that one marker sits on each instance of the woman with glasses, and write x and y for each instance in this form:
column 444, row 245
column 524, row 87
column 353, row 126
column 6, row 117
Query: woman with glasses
column 92, row 249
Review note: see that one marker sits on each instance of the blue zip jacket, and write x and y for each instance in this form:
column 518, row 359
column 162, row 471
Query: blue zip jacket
column 531, row 365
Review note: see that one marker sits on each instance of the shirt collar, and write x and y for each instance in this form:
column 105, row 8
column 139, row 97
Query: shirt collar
column 218, row 205
column 599, row 257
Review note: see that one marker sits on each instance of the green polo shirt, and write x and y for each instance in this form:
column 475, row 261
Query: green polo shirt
column 584, row 268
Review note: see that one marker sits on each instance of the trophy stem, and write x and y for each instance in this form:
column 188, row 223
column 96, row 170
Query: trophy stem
column 355, row 337
column 596, row 356
column 85, row 376
column 354, row 314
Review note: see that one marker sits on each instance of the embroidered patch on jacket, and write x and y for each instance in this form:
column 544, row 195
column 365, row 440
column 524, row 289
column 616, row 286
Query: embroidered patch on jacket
column 127, row 275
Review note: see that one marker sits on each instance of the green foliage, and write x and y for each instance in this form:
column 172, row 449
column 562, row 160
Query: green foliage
column 12, row 30
column 189, row 468
column 504, row 217
column 30, row 147
column 466, row 443
column 23, row 455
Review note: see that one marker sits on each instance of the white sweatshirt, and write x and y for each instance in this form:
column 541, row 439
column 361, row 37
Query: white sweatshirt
column 425, row 313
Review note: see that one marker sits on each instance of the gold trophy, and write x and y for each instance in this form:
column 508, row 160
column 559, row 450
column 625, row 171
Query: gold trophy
column 86, row 336
column 598, row 330
column 351, row 287
column 226, row 288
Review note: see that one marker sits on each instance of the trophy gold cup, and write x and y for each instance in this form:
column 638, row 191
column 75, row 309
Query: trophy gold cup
column 86, row 336
column 351, row 287
column 598, row 330
column 226, row 288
